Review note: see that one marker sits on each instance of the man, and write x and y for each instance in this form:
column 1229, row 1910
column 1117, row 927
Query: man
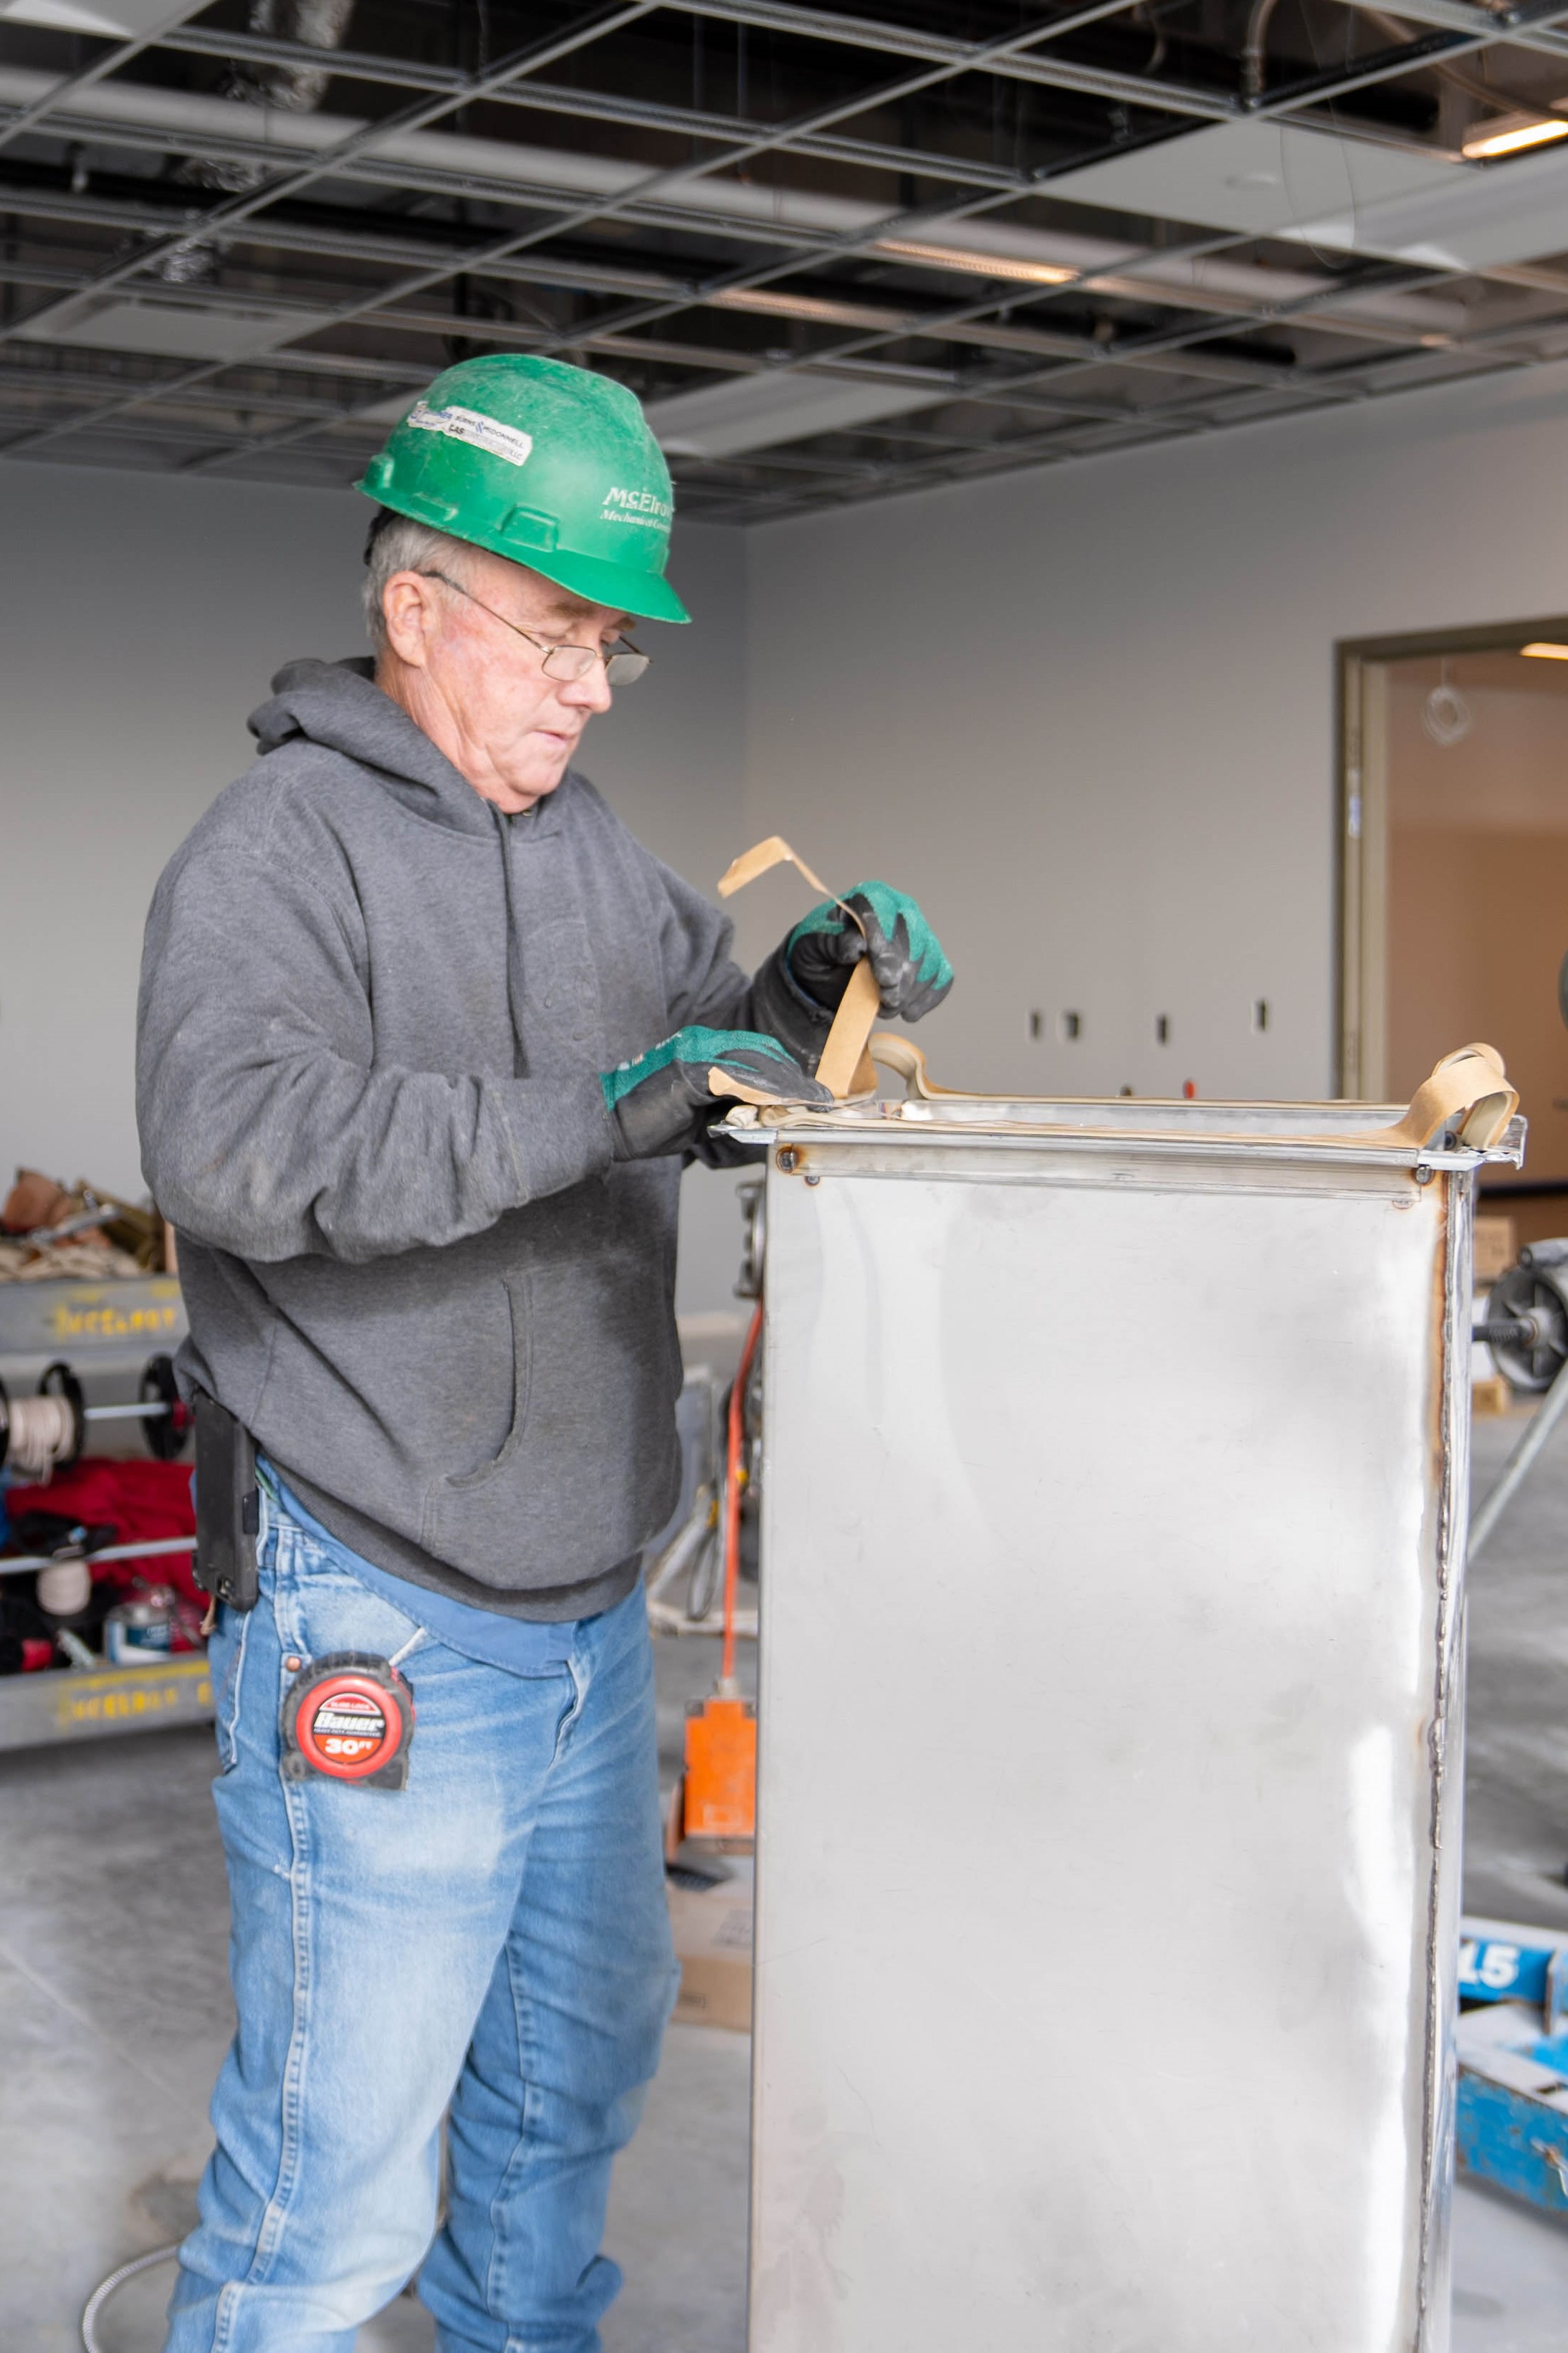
column 425, row 1036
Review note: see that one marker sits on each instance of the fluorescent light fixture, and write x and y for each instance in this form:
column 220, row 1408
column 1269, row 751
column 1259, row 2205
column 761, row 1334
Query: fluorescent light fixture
column 763, row 411
column 804, row 306
column 982, row 265
column 105, row 19
column 1508, row 134
column 1543, row 651
column 169, row 331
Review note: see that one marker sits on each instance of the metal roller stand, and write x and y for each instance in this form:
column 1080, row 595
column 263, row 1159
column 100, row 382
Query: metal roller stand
column 1526, row 1328
column 166, row 1418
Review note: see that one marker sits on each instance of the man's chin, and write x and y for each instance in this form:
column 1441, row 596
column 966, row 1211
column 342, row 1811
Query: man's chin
column 553, row 766
column 541, row 777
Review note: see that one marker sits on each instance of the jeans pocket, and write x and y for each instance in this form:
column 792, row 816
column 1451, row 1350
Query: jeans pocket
column 332, row 1610
column 226, row 1660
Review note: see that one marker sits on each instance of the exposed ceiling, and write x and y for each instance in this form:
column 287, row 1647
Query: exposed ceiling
column 838, row 254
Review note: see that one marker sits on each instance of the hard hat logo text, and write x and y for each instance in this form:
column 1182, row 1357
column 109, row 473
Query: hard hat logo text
column 642, row 507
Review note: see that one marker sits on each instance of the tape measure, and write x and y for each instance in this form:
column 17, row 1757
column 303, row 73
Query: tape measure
column 349, row 1716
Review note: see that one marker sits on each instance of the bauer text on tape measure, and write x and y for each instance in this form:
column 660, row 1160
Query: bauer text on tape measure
column 350, row 1716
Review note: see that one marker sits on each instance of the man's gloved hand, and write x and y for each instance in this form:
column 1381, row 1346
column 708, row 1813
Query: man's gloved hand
column 912, row 971
column 659, row 1104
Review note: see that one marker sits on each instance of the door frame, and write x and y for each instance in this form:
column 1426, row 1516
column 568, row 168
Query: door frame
column 1361, row 834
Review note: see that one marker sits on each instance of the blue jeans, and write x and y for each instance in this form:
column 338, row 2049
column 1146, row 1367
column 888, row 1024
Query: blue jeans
column 492, row 1939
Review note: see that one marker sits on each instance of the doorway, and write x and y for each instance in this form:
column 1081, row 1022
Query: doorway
column 1454, row 897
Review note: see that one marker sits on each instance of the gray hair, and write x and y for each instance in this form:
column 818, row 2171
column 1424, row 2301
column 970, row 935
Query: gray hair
column 397, row 544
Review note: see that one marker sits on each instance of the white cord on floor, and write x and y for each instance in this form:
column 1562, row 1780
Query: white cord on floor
column 105, row 2288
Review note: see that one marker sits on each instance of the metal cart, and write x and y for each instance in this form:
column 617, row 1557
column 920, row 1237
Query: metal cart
column 106, row 1331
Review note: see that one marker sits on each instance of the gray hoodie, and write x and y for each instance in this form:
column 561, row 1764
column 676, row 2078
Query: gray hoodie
column 372, row 1017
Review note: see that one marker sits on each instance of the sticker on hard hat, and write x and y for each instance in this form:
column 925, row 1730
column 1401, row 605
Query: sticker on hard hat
column 351, row 1716
column 471, row 424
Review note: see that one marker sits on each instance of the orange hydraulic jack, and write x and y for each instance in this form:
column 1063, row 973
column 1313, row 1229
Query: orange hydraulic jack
column 716, row 1798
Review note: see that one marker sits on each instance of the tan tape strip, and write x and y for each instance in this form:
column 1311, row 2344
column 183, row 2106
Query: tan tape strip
column 760, row 859
column 775, row 851
column 720, row 1083
column 1472, row 1080
column 844, row 1067
column 839, row 1067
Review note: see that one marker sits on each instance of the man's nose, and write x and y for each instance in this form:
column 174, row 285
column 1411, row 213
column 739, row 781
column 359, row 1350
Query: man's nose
column 591, row 691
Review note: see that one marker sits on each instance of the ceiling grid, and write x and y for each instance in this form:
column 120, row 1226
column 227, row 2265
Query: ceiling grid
column 840, row 256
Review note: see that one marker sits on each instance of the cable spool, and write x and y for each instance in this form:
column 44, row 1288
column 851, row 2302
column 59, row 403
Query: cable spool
column 164, row 1433
column 60, row 1385
column 41, row 1435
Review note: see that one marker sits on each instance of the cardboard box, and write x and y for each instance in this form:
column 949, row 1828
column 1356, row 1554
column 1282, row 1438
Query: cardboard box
column 713, row 1930
column 1497, row 1246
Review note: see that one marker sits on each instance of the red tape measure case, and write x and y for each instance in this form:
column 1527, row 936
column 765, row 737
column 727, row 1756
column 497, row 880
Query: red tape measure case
column 349, row 1716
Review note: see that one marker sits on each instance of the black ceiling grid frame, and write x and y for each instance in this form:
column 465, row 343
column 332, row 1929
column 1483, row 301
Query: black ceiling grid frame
column 840, row 256
column 160, row 388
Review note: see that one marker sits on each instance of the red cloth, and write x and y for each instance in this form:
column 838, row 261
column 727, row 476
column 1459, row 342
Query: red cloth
column 137, row 1499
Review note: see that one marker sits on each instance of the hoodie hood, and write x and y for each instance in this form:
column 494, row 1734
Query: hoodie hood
column 339, row 706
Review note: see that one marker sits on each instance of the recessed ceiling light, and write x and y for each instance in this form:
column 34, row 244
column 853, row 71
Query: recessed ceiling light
column 107, row 19
column 1543, row 651
column 216, row 331
column 1507, row 134
column 983, row 265
column 769, row 409
column 802, row 306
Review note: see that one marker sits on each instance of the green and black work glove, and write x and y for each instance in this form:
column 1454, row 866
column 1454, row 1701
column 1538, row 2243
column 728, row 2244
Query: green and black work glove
column 662, row 1101
column 912, row 973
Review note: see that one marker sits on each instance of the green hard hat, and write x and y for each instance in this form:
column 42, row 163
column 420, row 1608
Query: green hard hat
column 550, row 465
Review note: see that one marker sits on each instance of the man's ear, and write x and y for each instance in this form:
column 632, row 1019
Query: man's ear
column 410, row 617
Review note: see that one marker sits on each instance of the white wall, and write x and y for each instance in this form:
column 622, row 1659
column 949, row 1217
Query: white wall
column 1086, row 715
column 140, row 618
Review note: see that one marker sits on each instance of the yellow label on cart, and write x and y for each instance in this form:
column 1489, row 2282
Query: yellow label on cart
column 133, row 1695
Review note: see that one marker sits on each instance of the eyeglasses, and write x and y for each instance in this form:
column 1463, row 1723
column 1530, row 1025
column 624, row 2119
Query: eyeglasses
column 569, row 663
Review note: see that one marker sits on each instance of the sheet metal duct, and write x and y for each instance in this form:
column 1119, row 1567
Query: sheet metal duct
column 1115, row 1473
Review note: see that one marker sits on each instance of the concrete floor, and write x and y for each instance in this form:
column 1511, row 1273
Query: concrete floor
column 114, row 2009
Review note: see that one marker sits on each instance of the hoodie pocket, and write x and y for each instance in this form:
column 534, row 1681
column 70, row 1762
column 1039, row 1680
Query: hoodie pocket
column 515, row 1289
column 591, row 1468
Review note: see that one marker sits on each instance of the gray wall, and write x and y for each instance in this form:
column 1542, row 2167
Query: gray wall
column 1088, row 715
column 140, row 621
column 141, row 618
